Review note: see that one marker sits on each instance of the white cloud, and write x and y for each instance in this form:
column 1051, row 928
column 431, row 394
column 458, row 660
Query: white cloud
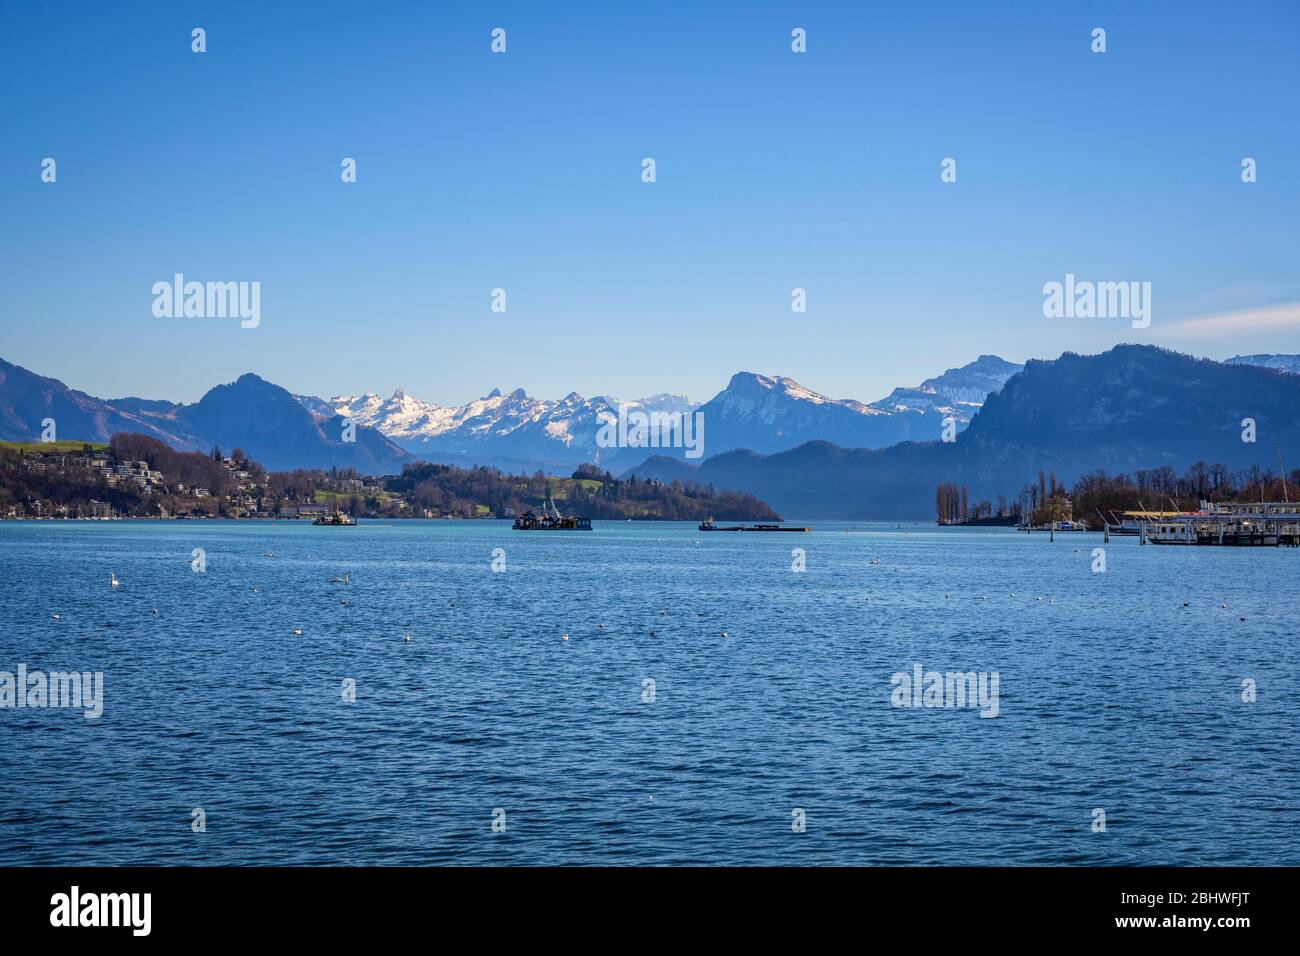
column 1270, row 318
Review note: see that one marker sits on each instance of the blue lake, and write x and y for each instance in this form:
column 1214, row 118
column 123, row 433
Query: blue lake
column 1112, row 695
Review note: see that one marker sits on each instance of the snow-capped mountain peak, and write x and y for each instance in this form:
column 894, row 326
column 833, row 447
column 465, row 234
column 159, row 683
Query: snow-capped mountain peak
column 1283, row 363
column 764, row 413
column 959, row 392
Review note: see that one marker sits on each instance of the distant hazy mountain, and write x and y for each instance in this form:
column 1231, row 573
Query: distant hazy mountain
column 27, row 399
column 759, row 412
column 958, row 391
column 1284, row 363
column 263, row 419
column 767, row 415
column 1132, row 407
column 512, row 431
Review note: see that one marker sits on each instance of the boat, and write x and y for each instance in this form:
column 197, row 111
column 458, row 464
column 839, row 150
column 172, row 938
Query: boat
column 1053, row 526
column 550, row 520
column 335, row 519
column 1129, row 523
column 1240, row 524
column 711, row 525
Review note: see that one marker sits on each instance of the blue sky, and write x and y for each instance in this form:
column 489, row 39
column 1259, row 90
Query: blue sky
column 522, row 171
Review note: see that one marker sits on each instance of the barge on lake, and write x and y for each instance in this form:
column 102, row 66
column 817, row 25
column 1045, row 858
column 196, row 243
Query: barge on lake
column 550, row 520
column 712, row 525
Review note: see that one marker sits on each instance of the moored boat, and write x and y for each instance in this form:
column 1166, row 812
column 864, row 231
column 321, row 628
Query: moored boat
column 550, row 520
column 335, row 519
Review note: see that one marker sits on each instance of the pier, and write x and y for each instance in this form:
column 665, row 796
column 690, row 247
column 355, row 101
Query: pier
column 1233, row 524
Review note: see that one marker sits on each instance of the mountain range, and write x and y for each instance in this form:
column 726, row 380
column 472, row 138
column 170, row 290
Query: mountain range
column 1130, row 408
column 1283, row 363
column 250, row 413
column 804, row 453
column 759, row 412
column 513, row 431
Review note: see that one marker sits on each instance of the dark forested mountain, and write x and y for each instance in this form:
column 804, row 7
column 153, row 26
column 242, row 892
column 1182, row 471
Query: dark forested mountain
column 27, row 399
column 1130, row 408
column 1134, row 407
column 264, row 419
column 272, row 426
column 511, row 431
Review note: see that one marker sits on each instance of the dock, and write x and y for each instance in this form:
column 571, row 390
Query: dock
column 1232, row 524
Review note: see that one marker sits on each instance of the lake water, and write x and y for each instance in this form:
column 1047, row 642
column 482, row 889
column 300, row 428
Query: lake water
column 1112, row 696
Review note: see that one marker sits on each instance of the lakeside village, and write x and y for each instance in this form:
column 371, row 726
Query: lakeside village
column 1206, row 505
column 135, row 476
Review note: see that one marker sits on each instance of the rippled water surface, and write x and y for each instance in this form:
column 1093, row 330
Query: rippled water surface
column 1113, row 695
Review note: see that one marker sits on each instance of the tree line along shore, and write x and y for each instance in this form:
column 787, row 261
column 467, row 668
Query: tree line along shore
column 136, row 476
column 1097, row 494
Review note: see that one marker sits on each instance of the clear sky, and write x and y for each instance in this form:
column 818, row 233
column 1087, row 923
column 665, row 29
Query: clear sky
column 775, row 170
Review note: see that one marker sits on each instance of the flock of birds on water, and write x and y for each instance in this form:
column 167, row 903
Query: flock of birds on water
column 346, row 578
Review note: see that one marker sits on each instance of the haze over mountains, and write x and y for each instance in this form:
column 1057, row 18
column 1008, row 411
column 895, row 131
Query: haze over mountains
column 513, row 431
column 1132, row 407
column 758, row 412
column 250, row 413
column 1283, row 363
column 804, row 453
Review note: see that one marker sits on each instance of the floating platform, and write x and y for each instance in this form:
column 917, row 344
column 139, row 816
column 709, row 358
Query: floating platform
column 711, row 526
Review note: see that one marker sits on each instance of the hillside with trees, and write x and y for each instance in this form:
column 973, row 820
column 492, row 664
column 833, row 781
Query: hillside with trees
column 138, row 475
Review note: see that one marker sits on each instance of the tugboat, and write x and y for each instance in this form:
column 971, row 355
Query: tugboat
column 550, row 520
